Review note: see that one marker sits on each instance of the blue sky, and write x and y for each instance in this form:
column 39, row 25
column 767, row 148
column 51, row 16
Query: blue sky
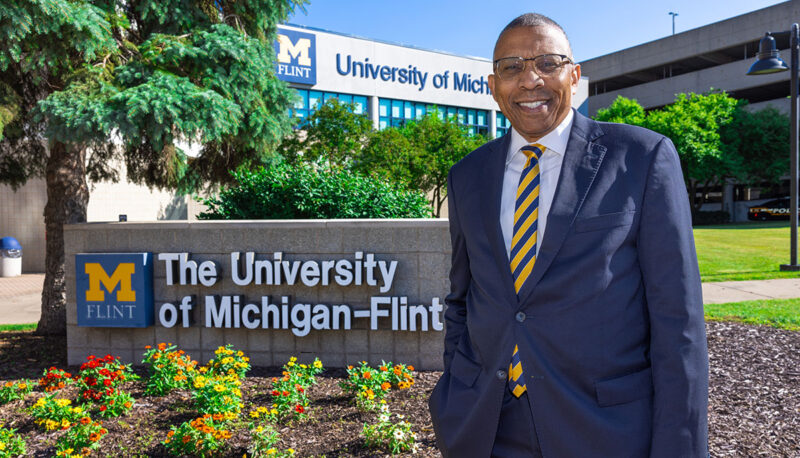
column 469, row 27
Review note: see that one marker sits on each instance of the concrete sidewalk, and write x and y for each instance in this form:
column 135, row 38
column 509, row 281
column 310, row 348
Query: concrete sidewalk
column 21, row 297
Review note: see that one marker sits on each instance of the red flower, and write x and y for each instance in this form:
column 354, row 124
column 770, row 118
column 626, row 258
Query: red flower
column 286, row 393
column 299, row 409
column 300, row 389
column 275, row 393
column 103, row 408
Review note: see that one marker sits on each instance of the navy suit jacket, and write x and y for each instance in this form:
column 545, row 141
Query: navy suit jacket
column 610, row 322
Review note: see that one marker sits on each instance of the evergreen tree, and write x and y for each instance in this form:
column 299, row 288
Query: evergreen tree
column 87, row 85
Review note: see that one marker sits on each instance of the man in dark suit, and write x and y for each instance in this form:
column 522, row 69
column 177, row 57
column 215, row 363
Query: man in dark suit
column 575, row 320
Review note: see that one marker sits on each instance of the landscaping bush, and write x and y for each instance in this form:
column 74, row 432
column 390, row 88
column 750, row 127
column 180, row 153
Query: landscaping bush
column 710, row 218
column 306, row 191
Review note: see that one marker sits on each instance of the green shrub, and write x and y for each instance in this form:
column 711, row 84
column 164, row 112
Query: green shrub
column 710, row 218
column 306, row 191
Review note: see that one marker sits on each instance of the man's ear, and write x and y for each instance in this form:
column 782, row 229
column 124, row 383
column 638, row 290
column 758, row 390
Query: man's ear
column 491, row 85
column 576, row 78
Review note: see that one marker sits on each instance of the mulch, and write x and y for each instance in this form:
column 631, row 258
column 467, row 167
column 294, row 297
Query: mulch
column 754, row 401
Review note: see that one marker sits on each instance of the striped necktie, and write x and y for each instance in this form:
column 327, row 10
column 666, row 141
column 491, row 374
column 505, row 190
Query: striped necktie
column 523, row 243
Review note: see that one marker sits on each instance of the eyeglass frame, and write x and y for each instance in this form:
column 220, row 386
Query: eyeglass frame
column 533, row 59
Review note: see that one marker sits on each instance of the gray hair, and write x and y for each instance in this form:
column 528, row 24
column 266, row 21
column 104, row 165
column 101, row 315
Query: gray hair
column 534, row 20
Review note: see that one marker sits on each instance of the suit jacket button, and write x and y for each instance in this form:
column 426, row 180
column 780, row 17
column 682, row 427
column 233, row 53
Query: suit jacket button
column 520, row 317
column 502, row 375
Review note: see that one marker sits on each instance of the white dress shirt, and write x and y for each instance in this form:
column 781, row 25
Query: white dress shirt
column 549, row 169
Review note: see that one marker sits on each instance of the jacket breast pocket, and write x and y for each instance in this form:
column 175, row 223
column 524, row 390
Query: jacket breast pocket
column 464, row 369
column 607, row 221
column 627, row 388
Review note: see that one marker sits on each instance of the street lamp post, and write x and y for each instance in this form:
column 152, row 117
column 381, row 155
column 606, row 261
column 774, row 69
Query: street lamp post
column 673, row 21
column 768, row 61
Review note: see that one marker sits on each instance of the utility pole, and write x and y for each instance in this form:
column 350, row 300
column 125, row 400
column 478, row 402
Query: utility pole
column 673, row 21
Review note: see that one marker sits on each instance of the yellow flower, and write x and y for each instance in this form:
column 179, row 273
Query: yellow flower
column 293, row 359
column 219, row 388
column 290, row 363
column 22, row 386
column 2, row 445
column 303, row 366
column 254, row 414
column 271, row 451
column 239, row 354
column 237, row 392
column 77, row 409
column 63, row 402
column 50, row 424
column 318, row 364
column 259, row 429
column 274, row 411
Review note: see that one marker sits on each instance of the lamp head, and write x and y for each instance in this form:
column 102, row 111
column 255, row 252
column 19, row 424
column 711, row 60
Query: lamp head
column 768, row 59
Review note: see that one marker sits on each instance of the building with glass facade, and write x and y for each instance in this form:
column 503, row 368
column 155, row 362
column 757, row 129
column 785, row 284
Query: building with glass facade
column 391, row 83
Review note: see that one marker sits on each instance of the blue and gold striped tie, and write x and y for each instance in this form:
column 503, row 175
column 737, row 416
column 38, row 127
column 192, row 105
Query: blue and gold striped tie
column 523, row 243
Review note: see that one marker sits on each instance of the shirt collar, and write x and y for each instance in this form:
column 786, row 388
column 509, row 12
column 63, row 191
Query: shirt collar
column 555, row 141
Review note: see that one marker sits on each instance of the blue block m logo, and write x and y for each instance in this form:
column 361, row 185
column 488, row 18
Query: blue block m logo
column 114, row 289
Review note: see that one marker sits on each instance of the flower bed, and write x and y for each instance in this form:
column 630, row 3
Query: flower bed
column 176, row 407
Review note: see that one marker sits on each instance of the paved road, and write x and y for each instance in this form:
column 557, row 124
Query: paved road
column 21, row 297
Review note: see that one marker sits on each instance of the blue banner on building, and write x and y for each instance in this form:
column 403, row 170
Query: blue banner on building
column 296, row 54
column 114, row 289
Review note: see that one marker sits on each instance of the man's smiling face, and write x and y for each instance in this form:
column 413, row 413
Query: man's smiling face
column 534, row 105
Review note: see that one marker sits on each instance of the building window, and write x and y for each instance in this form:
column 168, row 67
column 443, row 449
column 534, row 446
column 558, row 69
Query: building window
column 309, row 101
column 502, row 124
column 396, row 113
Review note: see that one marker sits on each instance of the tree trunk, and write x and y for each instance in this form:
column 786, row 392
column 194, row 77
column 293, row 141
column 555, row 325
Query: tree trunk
column 693, row 196
column 67, row 198
column 437, row 206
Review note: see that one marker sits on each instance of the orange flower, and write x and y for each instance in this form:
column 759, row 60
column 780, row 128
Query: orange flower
column 383, row 369
column 162, row 346
column 385, row 386
column 367, row 376
column 349, row 367
column 171, row 433
column 410, row 367
column 186, row 439
column 217, row 416
column 86, row 420
column 147, row 347
column 94, row 437
column 128, row 405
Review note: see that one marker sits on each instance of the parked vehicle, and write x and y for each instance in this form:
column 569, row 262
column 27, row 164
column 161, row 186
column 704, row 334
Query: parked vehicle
column 773, row 209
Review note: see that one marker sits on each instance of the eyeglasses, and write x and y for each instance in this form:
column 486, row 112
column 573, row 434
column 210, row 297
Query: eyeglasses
column 509, row 68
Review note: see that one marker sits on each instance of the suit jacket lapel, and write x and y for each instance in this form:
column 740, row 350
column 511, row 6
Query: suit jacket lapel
column 581, row 161
column 490, row 205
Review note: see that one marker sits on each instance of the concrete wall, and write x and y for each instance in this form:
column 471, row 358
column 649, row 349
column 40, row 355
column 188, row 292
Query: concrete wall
column 662, row 92
column 703, row 40
column 21, row 217
column 421, row 247
column 22, row 212
column 719, row 35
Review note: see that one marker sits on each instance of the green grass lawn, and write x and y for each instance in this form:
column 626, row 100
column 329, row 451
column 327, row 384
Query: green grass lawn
column 743, row 251
column 17, row 327
column 780, row 313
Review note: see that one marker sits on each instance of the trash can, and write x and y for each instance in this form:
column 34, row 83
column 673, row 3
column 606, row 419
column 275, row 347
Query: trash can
column 10, row 257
